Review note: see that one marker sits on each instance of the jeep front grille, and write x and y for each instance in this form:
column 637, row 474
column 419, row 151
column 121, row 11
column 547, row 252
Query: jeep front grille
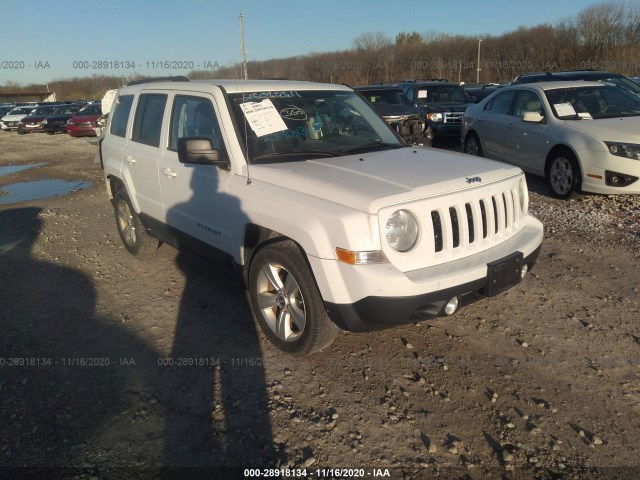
column 453, row 117
column 460, row 224
column 474, row 222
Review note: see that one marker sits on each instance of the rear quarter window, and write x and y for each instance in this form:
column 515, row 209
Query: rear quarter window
column 121, row 115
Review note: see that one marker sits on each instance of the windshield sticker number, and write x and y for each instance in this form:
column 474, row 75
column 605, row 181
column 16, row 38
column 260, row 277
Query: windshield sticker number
column 263, row 117
column 422, row 94
column 565, row 109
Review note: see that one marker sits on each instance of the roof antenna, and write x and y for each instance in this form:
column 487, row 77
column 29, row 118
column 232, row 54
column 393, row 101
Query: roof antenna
column 245, row 76
column 245, row 73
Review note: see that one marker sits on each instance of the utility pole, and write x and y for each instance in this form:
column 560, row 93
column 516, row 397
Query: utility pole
column 478, row 71
column 245, row 74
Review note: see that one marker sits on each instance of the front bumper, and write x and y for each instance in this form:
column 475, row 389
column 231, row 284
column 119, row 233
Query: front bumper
column 370, row 297
column 444, row 130
column 373, row 313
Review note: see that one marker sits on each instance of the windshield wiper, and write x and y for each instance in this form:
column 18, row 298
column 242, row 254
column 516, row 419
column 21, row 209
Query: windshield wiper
column 371, row 146
column 301, row 153
column 571, row 117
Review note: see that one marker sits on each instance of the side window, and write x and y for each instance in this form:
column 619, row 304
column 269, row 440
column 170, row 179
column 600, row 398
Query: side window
column 121, row 115
column 501, row 102
column 527, row 101
column 148, row 122
column 194, row 117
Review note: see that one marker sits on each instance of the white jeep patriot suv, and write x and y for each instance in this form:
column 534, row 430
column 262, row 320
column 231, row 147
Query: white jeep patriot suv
column 329, row 217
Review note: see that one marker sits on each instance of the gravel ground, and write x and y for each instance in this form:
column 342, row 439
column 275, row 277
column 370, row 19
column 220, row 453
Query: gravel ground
column 115, row 368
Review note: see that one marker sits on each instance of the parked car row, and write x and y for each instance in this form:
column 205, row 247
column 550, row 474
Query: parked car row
column 439, row 104
column 76, row 119
column 578, row 129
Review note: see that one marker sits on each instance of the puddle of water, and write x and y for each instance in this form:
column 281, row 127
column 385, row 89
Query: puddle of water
column 6, row 170
column 23, row 191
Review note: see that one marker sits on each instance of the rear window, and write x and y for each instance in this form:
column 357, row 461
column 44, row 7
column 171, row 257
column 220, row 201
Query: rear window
column 148, row 122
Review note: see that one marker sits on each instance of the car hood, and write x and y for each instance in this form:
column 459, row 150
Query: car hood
column 54, row 118
column 620, row 129
column 446, row 107
column 13, row 118
column 368, row 182
column 34, row 118
column 84, row 118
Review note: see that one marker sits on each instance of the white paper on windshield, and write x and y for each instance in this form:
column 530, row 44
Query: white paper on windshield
column 263, row 117
column 565, row 109
column 422, row 94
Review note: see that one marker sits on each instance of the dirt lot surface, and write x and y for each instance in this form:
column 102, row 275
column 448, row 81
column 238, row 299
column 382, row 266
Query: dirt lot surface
column 112, row 367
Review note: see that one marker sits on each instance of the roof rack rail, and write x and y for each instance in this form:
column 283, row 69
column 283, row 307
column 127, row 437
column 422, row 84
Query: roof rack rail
column 177, row 78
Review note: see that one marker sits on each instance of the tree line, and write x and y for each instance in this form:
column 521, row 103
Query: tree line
column 603, row 36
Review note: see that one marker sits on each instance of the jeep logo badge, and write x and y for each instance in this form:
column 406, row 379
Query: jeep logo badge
column 474, row 180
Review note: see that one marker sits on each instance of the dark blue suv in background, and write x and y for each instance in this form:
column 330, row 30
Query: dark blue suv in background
column 443, row 103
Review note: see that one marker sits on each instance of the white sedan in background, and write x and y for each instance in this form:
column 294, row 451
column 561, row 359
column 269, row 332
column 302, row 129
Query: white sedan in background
column 11, row 119
column 577, row 134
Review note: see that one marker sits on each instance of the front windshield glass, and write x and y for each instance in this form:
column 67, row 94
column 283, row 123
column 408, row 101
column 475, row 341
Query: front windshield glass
column 303, row 124
column 576, row 103
column 21, row 111
column 392, row 97
column 90, row 111
column 441, row 94
column 66, row 110
column 43, row 111
column 618, row 80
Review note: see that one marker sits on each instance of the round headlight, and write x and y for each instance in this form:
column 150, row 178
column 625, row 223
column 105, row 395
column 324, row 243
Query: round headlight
column 402, row 230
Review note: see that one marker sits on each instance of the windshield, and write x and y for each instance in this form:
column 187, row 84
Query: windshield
column 299, row 125
column 441, row 94
column 593, row 102
column 67, row 110
column 21, row 111
column 90, row 111
column 392, row 97
column 43, row 111
column 617, row 80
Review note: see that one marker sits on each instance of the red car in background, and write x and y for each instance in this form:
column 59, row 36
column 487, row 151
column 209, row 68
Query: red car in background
column 83, row 123
column 33, row 121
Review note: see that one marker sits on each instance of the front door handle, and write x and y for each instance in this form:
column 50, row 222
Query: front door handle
column 130, row 160
column 168, row 172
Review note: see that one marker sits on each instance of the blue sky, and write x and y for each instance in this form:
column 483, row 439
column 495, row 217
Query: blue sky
column 46, row 40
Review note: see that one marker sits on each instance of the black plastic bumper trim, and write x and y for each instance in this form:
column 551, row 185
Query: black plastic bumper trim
column 375, row 313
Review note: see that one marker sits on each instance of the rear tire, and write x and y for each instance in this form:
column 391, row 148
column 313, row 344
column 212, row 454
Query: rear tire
column 132, row 233
column 286, row 302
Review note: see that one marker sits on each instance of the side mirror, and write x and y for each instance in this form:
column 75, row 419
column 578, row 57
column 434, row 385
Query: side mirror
column 532, row 117
column 199, row 151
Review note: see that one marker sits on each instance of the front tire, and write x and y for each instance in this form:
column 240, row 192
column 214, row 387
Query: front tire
column 286, row 302
column 563, row 174
column 132, row 233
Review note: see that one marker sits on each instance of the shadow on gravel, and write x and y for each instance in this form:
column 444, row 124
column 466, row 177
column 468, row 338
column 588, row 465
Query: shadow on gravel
column 218, row 414
column 61, row 378
column 70, row 378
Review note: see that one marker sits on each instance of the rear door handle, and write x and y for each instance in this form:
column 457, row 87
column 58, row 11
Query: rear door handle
column 168, row 172
column 130, row 160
